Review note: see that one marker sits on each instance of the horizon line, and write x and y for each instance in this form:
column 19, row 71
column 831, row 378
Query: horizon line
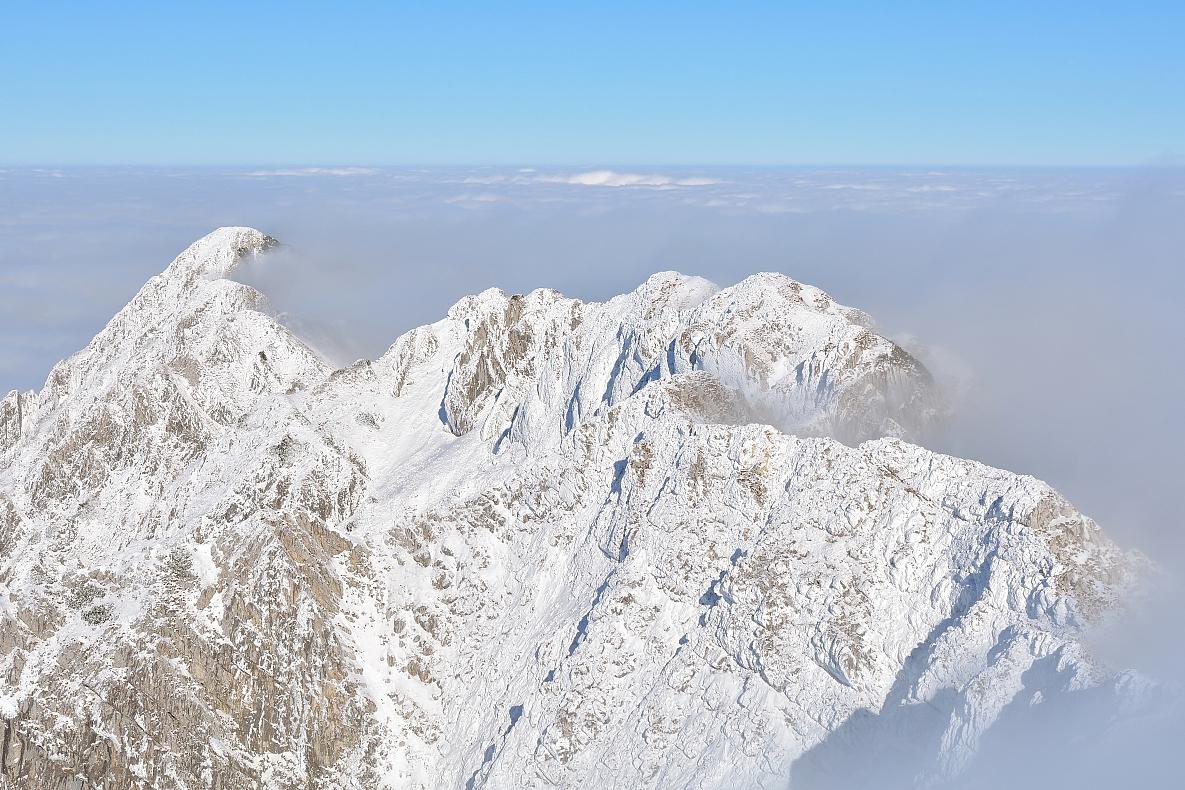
column 1171, row 162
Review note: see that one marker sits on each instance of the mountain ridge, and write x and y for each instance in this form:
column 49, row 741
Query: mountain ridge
column 539, row 541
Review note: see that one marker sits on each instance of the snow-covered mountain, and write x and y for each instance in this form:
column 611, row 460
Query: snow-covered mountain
column 676, row 539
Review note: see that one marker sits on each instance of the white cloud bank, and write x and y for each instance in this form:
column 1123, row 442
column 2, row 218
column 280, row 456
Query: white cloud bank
column 610, row 178
column 315, row 171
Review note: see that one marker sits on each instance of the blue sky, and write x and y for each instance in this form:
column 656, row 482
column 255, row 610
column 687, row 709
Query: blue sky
column 608, row 83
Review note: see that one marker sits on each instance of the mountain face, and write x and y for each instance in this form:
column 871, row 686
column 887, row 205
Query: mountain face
column 676, row 539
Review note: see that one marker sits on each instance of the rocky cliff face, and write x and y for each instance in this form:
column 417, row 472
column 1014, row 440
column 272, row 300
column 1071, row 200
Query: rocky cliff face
column 540, row 542
column 17, row 412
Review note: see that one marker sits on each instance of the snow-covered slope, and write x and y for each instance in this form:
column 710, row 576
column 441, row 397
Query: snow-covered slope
column 539, row 542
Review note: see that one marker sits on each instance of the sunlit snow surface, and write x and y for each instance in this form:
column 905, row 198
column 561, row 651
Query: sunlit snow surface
column 539, row 541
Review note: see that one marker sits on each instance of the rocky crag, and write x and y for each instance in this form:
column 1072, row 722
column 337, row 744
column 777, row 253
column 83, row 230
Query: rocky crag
column 677, row 539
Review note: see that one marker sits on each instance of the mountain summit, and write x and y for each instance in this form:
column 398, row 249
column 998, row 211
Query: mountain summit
column 676, row 539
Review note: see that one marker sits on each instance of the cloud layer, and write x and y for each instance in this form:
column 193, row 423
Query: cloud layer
column 609, row 178
column 313, row 171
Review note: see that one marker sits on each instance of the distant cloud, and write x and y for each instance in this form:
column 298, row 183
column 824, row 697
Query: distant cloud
column 315, row 171
column 861, row 187
column 474, row 199
column 610, row 178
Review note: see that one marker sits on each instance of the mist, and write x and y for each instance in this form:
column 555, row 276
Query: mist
column 1046, row 302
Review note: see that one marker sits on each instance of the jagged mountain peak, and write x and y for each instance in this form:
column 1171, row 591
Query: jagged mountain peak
column 528, row 368
column 188, row 312
column 538, row 542
column 674, row 290
column 217, row 254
